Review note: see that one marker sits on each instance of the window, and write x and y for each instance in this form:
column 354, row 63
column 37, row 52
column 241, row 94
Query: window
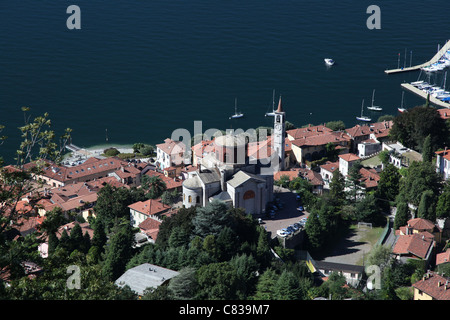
column 190, row 199
column 198, row 199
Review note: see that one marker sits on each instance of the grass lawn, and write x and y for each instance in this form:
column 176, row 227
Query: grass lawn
column 371, row 162
column 369, row 235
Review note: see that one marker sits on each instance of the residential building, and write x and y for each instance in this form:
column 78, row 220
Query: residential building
column 93, row 168
column 346, row 161
column 313, row 147
column 400, row 156
column 171, row 153
column 145, row 276
column 141, row 210
column 76, row 198
column 326, row 171
column 353, row 273
column 443, row 257
column 378, row 131
column 432, row 286
column 443, row 163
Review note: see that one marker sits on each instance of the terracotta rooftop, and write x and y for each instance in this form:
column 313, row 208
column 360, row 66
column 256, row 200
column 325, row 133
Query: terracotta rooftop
column 434, row 285
column 443, row 257
column 171, row 147
column 308, row 131
column 291, row 174
column 91, row 166
column 330, row 166
column 321, row 139
column 444, row 113
column 349, row 157
column 421, row 224
column 149, row 207
column 378, row 128
column 414, row 244
column 150, row 227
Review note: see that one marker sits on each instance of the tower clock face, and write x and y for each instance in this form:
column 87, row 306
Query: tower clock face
column 277, row 126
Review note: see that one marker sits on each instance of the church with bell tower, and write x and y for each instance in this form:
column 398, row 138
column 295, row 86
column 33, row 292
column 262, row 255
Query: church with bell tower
column 279, row 135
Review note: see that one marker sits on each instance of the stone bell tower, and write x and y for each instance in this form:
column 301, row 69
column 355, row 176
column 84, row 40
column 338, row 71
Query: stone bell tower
column 279, row 134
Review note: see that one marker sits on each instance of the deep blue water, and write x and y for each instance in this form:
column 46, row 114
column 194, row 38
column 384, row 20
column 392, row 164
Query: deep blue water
column 141, row 69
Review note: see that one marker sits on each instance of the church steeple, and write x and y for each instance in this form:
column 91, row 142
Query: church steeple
column 280, row 108
column 279, row 134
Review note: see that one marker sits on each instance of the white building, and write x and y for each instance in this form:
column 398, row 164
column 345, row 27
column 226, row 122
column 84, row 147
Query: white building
column 171, row 153
column 443, row 163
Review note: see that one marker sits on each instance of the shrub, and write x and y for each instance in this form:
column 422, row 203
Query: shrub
column 111, row 152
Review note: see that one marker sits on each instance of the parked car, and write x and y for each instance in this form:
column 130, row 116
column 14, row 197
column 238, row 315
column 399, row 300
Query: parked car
column 295, row 226
column 282, row 233
column 298, row 198
column 300, row 208
column 286, row 230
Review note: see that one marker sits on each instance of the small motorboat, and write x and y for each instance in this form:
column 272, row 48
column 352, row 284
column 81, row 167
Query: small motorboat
column 329, row 61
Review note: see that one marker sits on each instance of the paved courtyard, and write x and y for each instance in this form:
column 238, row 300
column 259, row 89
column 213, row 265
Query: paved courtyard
column 285, row 216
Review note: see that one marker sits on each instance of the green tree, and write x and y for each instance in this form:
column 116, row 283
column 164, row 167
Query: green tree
column 401, row 216
column 119, row 250
column 368, row 210
column 283, row 181
column 265, row 285
column 427, row 206
column 210, row 219
column 412, row 127
column 337, row 188
column 354, row 182
column 421, row 176
column 184, row 285
column 314, row 232
column 287, row 287
column 443, row 203
column 217, row 281
column 388, row 185
column 335, row 125
column 155, row 186
column 427, row 152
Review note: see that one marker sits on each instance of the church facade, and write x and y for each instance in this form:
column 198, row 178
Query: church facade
column 229, row 174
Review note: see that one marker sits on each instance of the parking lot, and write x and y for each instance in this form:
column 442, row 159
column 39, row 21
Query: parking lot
column 285, row 216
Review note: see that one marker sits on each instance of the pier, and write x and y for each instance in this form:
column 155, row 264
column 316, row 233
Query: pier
column 424, row 95
column 77, row 150
column 435, row 59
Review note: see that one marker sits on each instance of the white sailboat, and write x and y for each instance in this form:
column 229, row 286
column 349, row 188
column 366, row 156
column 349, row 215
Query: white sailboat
column 372, row 107
column 362, row 117
column 236, row 113
column 401, row 109
column 272, row 114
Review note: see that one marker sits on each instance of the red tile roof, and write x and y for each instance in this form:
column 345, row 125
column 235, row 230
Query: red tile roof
column 308, row 131
column 171, row 147
column 414, row 244
column 150, row 227
column 349, row 157
column 330, row 166
column 421, row 224
column 171, row 183
column 370, row 177
column 291, row 174
column 444, row 113
column 321, row 139
column 149, row 207
column 434, row 285
column 443, row 257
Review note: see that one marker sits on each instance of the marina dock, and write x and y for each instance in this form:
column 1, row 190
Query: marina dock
column 435, row 59
column 423, row 94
